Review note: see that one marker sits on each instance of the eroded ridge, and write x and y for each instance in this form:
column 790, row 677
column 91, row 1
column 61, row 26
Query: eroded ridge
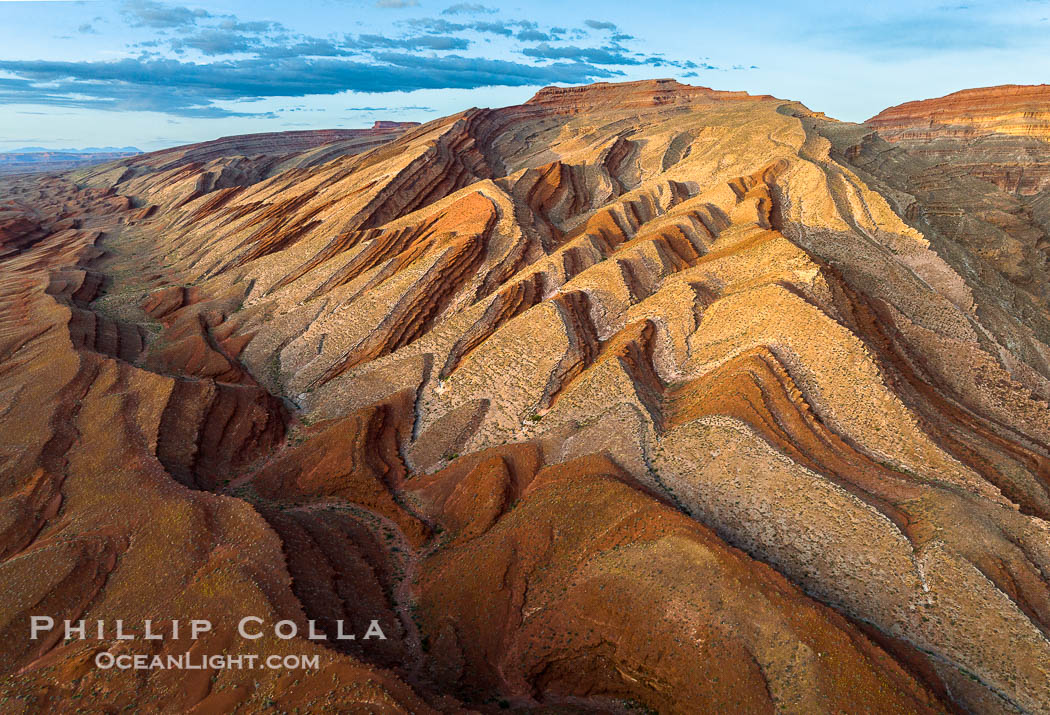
column 708, row 359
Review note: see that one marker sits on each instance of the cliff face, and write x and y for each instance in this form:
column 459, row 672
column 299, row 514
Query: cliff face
column 978, row 168
column 1010, row 109
column 632, row 395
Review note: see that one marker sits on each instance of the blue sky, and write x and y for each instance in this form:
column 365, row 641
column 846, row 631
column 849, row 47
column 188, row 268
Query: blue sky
column 155, row 74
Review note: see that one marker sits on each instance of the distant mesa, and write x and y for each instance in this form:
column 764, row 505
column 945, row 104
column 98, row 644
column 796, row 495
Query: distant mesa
column 644, row 93
column 1021, row 110
column 386, row 125
column 86, row 150
column 37, row 159
column 40, row 159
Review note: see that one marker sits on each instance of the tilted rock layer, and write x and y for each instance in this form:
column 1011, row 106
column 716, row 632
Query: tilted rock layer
column 637, row 395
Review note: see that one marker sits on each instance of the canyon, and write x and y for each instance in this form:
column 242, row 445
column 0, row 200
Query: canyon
column 633, row 397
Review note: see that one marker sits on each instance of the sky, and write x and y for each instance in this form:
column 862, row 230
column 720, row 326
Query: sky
column 156, row 74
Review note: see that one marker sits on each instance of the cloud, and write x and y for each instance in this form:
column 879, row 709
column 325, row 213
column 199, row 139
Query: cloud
column 496, row 28
column 422, row 42
column 306, row 47
column 87, row 29
column 114, row 97
column 600, row 25
column 217, row 35
column 202, row 89
column 431, row 24
column 412, row 108
column 467, row 8
column 458, row 72
column 532, row 36
column 202, row 31
column 505, row 28
column 232, row 24
column 592, row 55
column 396, row 4
column 147, row 13
column 215, row 42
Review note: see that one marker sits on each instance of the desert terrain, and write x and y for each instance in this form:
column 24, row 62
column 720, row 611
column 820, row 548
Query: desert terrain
column 635, row 397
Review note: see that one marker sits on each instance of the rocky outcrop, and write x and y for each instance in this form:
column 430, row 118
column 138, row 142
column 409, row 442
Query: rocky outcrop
column 630, row 95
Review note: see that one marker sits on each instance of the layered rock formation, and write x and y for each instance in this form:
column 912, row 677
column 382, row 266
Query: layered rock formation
column 1017, row 110
column 987, row 188
column 635, row 395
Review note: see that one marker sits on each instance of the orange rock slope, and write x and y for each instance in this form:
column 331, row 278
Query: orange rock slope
column 632, row 396
column 1020, row 110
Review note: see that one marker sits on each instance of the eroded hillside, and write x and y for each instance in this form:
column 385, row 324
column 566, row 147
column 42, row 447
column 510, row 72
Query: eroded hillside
column 632, row 395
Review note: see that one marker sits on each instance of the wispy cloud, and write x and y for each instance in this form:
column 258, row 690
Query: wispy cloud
column 467, row 8
column 533, row 36
column 594, row 55
column 147, row 13
column 216, row 42
column 419, row 42
column 505, row 28
column 417, row 108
